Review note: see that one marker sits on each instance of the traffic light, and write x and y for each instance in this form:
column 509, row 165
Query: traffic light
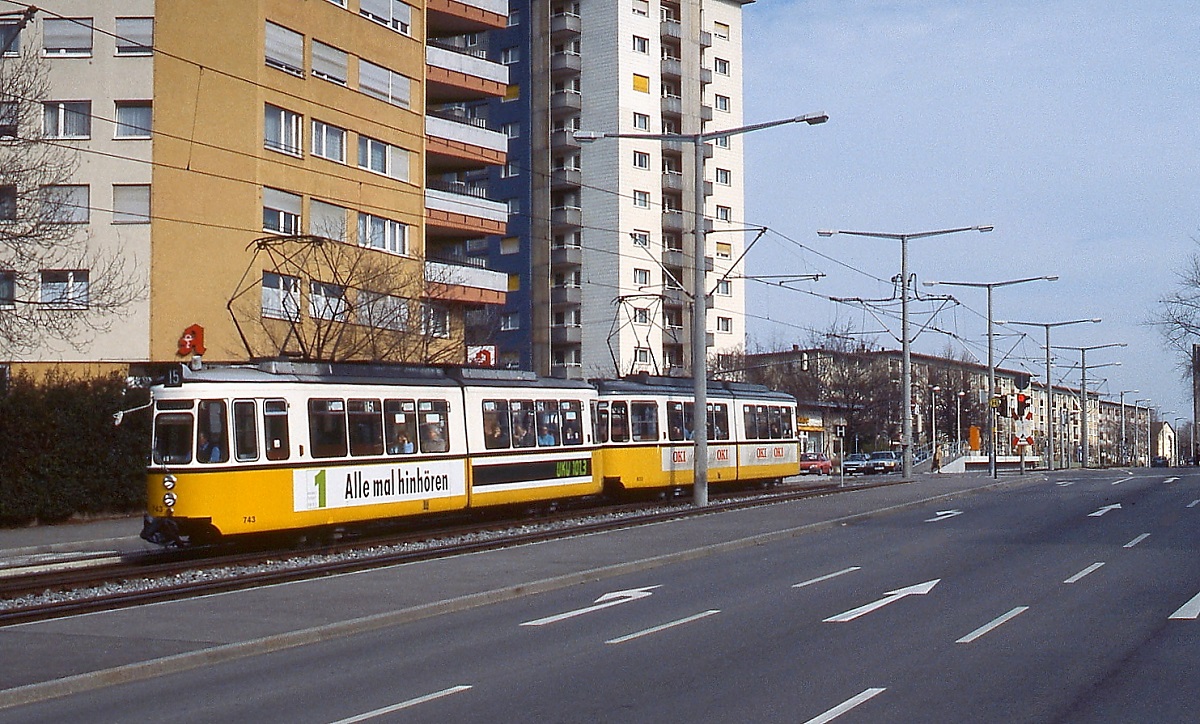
column 1022, row 406
column 1000, row 402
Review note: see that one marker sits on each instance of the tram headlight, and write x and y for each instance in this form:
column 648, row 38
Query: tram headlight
column 169, row 482
column 169, row 500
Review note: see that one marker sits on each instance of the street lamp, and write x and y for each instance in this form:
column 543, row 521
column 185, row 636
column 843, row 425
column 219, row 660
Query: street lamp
column 933, row 423
column 958, row 424
column 1049, row 385
column 905, row 353
column 1137, row 438
column 1083, row 413
column 1123, row 393
column 991, row 414
column 699, row 293
column 1175, row 441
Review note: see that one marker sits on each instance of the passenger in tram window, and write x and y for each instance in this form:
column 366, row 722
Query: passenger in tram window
column 401, row 446
column 545, row 437
column 571, row 433
column 206, row 450
column 433, row 437
column 495, row 438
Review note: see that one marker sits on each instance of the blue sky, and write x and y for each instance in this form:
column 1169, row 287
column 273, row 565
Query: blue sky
column 1069, row 125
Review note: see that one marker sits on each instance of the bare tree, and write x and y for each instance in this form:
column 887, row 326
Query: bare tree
column 1179, row 316
column 329, row 300
column 54, row 284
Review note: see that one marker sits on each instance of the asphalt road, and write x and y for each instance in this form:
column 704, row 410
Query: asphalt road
column 1073, row 598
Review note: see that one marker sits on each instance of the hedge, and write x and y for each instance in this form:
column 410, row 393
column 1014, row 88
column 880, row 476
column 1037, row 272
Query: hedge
column 62, row 456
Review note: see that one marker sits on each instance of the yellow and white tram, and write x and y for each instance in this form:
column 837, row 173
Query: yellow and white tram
column 283, row 446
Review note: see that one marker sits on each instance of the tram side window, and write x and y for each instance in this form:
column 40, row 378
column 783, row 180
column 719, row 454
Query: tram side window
column 327, row 428
column 548, row 423
column 675, row 422
column 366, row 427
column 245, row 431
column 776, row 423
column 645, row 421
column 788, row 430
column 212, row 443
column 600, row 421
column 572, row 426
column 275, row 427
column 173, row 438
column 718, row 421
column 619, row 416
column 750, row 421
column 764, row 425
column 495, row 424
column 433, row 416
column 523, row 424
column 400, row 426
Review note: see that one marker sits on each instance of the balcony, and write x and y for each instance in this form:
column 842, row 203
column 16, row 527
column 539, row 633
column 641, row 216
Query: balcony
column 706, row 76
column 457, row 143
column 566, row 217
column 566, row 256
column 670, row 29
column 563, row 141
column 565, row 26
column 672, row 105
column 566, row 295
column 672, row 220
column 566, row 370
column 672, row 68
column 563, row 102
column 706, row 113
column 566, row 335
column 674, row 297
column 462, row 283
column 459, row 17
column 565, row 64
column 673, row 258
column 454, row 76
column 565, row 178
column 672, row 181
column 461, row 211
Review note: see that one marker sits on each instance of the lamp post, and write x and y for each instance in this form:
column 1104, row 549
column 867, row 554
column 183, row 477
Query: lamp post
column 1049, row 385
column 933, row 422
column 1123, row 393
column 1175, row 441
column 699, row 293
column 1137, row 436
column 905, row 348
column 1083, row 401
column 958, row 422
column 991, row 415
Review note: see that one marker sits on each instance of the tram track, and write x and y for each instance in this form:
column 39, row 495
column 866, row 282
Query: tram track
column 46, row 590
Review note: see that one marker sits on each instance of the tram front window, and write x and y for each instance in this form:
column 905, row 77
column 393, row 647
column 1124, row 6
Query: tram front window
column 173, row 438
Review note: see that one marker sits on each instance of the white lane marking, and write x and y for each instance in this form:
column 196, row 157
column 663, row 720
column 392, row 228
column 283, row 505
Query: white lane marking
column 845, row 706
column 994, row 623
column 663, row 627
column 943, row 515
column 1193, row 504
column 1170, row 479
column 1189, row 610
column 1137, row 540
column 1064, row 483
column 1078, row 576
column 1122, row 480
column 1105, row 509
column 919, row 589
column 403, row 705
column 615, row 598
column 826, row 577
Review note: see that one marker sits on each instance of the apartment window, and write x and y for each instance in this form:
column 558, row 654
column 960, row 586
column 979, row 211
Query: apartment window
column 510, row 322
column 724, row 250
column 672, row 240
column 65, row 288
column 380, row 233
column 67, row 36
column 328, row 141
column 722, row 103
column 382, row 311
column 641, row 238
column 8, row 203
column 641, row 159
column 514, row 18
column 641, row 199
column 720, row 66
column 435, row 320
column 284, row 49
column 641, row 121
column 281, row 130
column 135, row 36
column 508, row 56
column 641, row 83
column 511, row 170
column 641, row 45
column 329, row 63
column 724, row 176
column 389, row 13
column 513, row 206
column 8, row 289
column 721, row 30
column 641, row 277
column 384, row 84
column 724, row 324
column 131, row 204
column 280, row 296
column 67, row 204
column 383, row 158
column 511, row 130
column 10, row 37
column 641, row 315
column 641, row 7
column 327, row 220
column 510, row 245
column 721, row 141
column 724, row 288
column 724, row 213
column 134, row 119
column 281, row 212
column 512, row 92
column 642, row 355
column 327, row 301
column 339, row 3
column 67, row 119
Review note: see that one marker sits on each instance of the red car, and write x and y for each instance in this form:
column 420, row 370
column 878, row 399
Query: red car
column 815, row 463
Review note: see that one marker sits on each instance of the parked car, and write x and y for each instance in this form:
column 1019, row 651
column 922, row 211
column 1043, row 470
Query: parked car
column 1158, row 461
column 816, row 463
column 884, row 461
column 856, row 463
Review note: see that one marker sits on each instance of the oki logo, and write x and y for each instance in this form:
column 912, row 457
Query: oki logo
column 679, row 456
column 777, row 452
column 760, row 453
column 722, row 454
